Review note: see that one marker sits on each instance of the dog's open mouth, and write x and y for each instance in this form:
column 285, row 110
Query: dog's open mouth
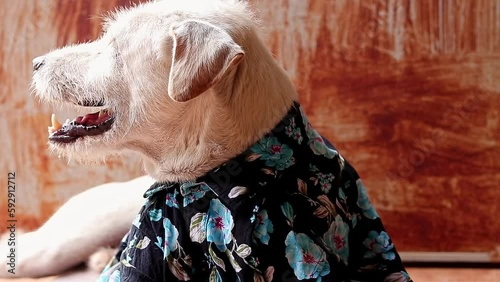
column 88, row 125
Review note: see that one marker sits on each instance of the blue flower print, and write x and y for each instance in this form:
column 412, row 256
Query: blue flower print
column 292, row 131
column 274, row 153
column 379, row 244
column 263, row 226
column 254, row 215
column 171, row 199
column 115, row 276
column 289, row 130
column 306, row 258
column 297, row 135
column 132, row 242
column 337, row 238
column 325, row 181
column 193, row 192
column 171, row 235
column 155, row 214
column 220, row 224
column 319, row 147
column 316, row 143
column 363, row 202
column 159, row 243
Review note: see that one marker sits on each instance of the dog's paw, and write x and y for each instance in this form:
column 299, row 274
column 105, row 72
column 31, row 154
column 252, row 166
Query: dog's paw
column 98, row 260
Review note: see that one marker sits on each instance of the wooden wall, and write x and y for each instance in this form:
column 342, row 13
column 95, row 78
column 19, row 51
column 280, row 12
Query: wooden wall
column 409, row 91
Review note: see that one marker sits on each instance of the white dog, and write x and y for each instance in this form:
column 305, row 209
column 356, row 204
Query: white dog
column 246, row 188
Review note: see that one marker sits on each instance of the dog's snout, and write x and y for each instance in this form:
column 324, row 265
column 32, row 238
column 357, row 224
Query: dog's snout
column 38, row 62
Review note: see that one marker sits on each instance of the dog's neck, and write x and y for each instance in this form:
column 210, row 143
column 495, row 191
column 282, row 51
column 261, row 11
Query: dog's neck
column 220, row 124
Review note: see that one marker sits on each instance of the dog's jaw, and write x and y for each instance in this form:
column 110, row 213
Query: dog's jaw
column 83, row 78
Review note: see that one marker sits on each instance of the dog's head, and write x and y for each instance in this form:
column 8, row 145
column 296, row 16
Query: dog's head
column 150, row 63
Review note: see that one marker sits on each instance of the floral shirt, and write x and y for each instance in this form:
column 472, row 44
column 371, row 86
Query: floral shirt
column 290, row 208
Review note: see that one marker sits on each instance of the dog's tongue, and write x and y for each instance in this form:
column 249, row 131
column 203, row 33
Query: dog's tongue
column 92, row 119
column 87, row 125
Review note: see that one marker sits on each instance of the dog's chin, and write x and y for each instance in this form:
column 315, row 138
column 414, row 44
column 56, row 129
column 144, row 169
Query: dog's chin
column 86, row 150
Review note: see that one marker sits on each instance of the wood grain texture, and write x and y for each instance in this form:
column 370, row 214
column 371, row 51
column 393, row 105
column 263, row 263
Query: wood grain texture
column 409, row 91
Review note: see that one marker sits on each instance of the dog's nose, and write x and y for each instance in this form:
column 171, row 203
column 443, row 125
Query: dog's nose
column 38, row 62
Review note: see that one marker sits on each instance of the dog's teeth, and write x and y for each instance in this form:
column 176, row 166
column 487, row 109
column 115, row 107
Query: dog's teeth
column 67, row 121
column 101, row 112
column 110, row 111
column 56, row 125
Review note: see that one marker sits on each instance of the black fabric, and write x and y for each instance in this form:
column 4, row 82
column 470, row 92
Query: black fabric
column 289, row 208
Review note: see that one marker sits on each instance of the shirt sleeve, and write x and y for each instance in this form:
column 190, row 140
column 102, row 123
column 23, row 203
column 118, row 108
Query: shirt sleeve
column 141, row 256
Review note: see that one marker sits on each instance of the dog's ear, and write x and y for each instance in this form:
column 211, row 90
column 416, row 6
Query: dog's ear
column 202, row 54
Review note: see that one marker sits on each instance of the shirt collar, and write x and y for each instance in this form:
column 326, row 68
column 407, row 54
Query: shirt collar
column 263, row 160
